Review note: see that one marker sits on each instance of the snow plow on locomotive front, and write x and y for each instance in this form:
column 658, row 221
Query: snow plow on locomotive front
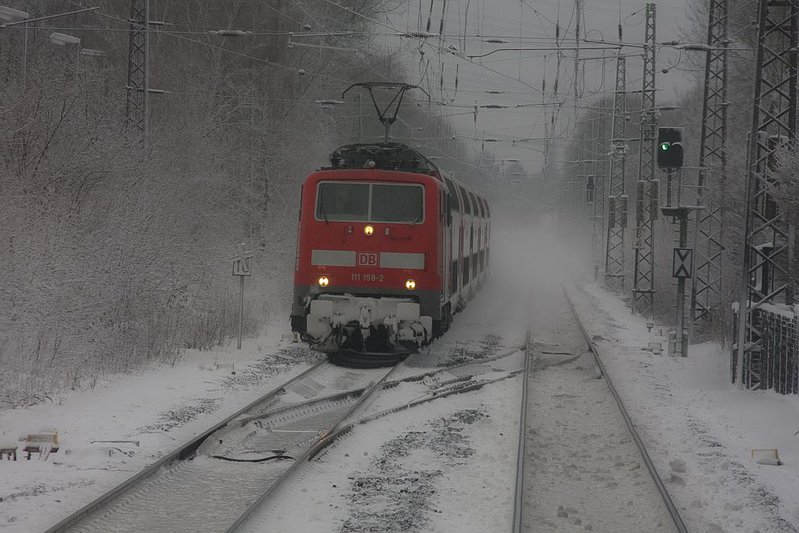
column 370, row 278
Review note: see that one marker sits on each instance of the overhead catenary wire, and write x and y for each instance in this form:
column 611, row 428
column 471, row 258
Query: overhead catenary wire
column 443, row 72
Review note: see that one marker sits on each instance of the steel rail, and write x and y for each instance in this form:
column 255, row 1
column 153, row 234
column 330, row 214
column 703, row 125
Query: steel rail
column 664, row 493
column 518, row 496
column 386, row 384
column 332, row 434
column 180, row 453
column 309, row 452
column 191, row 446
column 469, row 385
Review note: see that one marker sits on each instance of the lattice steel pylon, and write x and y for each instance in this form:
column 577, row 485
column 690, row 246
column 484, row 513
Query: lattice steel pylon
column 597, row 193
column 617, row 199
column 766, row 273
column 706, row 285
column 138, row 90
column 644, row 242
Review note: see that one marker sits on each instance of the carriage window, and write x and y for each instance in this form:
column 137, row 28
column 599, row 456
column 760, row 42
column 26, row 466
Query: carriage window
column 466, row 207
column 342, row 201
column 397, row 203
column 474, row 204
column 454, row 203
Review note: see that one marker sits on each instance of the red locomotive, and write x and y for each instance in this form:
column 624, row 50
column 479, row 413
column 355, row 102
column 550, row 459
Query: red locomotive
column 388, row 249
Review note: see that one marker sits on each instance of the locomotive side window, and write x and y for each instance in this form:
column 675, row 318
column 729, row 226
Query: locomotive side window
column 342, row 201
column 397, row 203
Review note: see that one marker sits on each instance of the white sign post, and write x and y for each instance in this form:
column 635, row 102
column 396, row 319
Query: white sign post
column 242, row 267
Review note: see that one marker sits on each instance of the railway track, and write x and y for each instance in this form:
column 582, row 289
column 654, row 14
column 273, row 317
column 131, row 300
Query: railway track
column 220, row 478
column 518, row 493
column 658, row 482
column 205, row 483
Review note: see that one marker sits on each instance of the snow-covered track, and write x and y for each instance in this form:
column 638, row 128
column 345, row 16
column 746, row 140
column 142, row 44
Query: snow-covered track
column 219, row 478
column 148, row 493
column 310, row 450
column 464, row 379
column 661, row 487
column 462, row 382
column 518, row 495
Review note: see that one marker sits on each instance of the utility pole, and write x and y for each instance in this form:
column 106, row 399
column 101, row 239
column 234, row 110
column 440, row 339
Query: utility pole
column 766, row 273
column 578, row 193
column 578, row 9
column 138, row 88
column 707, row 283
column 682, row 259
column 617, row 199
column 596, row 191
column 646, row 190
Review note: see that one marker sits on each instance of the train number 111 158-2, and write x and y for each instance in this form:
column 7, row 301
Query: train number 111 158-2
column 357, row 276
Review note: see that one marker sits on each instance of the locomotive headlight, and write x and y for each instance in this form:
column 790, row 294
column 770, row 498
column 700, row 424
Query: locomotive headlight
column 368, row 230
column 324, row 281
column 410, row 284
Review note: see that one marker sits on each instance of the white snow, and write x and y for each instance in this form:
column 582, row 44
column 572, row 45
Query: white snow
column 699, row 429
column 472, row 494
column 159, row 409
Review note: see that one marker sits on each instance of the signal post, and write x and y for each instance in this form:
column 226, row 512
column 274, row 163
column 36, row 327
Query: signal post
column 670, row 158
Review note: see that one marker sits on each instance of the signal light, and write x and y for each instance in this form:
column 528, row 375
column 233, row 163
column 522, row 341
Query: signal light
column 410, row 284
column 670, row 153
column 368, row 230
column 324, row 281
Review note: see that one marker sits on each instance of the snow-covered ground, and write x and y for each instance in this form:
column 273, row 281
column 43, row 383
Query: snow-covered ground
column 448, row 465
column 583, row 470
column 149, row 414
column 699, row 429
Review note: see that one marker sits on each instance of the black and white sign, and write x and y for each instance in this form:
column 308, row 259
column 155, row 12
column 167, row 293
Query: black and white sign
column 682, row 263
column 241, row 262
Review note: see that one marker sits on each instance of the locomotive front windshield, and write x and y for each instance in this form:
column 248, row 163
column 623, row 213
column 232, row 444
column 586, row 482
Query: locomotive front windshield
column 370, row 202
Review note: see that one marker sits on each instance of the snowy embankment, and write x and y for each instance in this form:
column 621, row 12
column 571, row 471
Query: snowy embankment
column 699, row 429
column 141, row 417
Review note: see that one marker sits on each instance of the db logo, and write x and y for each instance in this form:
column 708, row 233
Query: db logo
column 367, row 259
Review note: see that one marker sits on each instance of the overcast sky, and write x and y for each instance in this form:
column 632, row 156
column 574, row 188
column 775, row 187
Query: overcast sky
column 521, row 75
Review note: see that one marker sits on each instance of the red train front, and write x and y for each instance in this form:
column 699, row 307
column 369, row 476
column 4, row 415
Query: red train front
column 380, row 241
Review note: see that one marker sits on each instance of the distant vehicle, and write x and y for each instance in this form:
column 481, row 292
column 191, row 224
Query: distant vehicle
column 389, row 248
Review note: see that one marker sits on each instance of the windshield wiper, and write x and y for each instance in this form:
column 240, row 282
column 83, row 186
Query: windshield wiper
column 322, row 206
column 410, row 203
